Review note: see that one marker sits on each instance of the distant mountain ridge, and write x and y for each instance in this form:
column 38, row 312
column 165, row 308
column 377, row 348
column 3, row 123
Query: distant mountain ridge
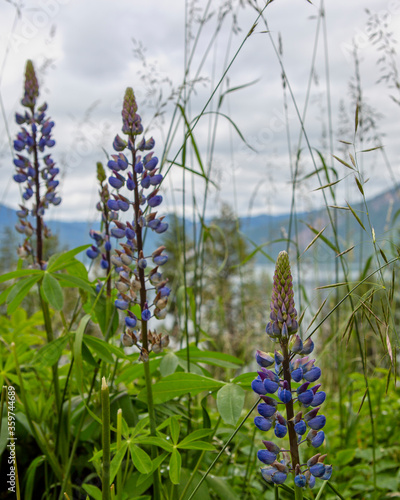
column 266, row 229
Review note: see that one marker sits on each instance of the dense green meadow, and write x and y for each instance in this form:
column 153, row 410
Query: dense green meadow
column 150, row 363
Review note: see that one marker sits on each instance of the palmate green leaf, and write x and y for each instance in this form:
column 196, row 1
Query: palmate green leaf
column 117, row 460
column 78, row 351
column 103, row 349
column 197, row 445
column 230, row 401
column 50, row 353
column 195, row 435
column 175, row 464
column 59, row 260
column 245, row 379
column 73, row 281
column 19, row 274
column 19, row 291
column 154, row 466
column 52, row 291
column 175, row 429
column 140, row 459
column 178, row 384
column 157, row 441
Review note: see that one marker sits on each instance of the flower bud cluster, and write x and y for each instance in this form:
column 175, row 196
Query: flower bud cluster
column 36, row 171
column 278, row 371
column 134, row 168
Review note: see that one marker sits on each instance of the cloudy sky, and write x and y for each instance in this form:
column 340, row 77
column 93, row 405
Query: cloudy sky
column 87, row 52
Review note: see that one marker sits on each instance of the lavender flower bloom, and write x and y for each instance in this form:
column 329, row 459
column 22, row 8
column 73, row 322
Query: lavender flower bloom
column 35, row 172
column 282, row 329
column 138, row 273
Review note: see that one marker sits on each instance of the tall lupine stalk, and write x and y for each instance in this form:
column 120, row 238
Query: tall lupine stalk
column 142, row 293
column 35, row 171
column 102, row 246
column 287, row 373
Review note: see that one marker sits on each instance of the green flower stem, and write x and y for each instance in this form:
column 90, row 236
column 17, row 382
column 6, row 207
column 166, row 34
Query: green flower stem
column 119, row 473
column 77, row 434
column 35, row 429
column 50, row 338
column 105, row 411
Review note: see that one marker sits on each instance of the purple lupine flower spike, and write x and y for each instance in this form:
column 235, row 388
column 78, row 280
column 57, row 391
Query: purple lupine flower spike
column 282, row 329
column 138, row 272
column 35, row 173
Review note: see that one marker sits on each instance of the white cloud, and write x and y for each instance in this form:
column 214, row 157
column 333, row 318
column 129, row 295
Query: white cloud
column 90, row 45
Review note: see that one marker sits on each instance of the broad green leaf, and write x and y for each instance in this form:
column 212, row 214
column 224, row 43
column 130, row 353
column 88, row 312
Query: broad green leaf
column 230, row 401
column 102, row 316
column 78, row 351
column 52, row 291
column 175, row 464
column 4, row 295
column 76, row 268
column 210, row 357
column 117, row 460
column 136, row 370
column 140, row 459
column 155, row 465
column 344, row 457
column 103, row 349
column 93, row 491
column 158, row 441
column 168, row 364
column 197, row 445
column 245, row 379
column 195, row 435
column 178, row 384
column 175, row 429
column 50, row 353
column 19, row 274
column 58, row 261
column 20, row 291
column 74, row 281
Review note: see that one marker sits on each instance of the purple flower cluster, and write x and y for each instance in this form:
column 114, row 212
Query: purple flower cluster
column 278, row 371
column 134, row 167
column 36, row 171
